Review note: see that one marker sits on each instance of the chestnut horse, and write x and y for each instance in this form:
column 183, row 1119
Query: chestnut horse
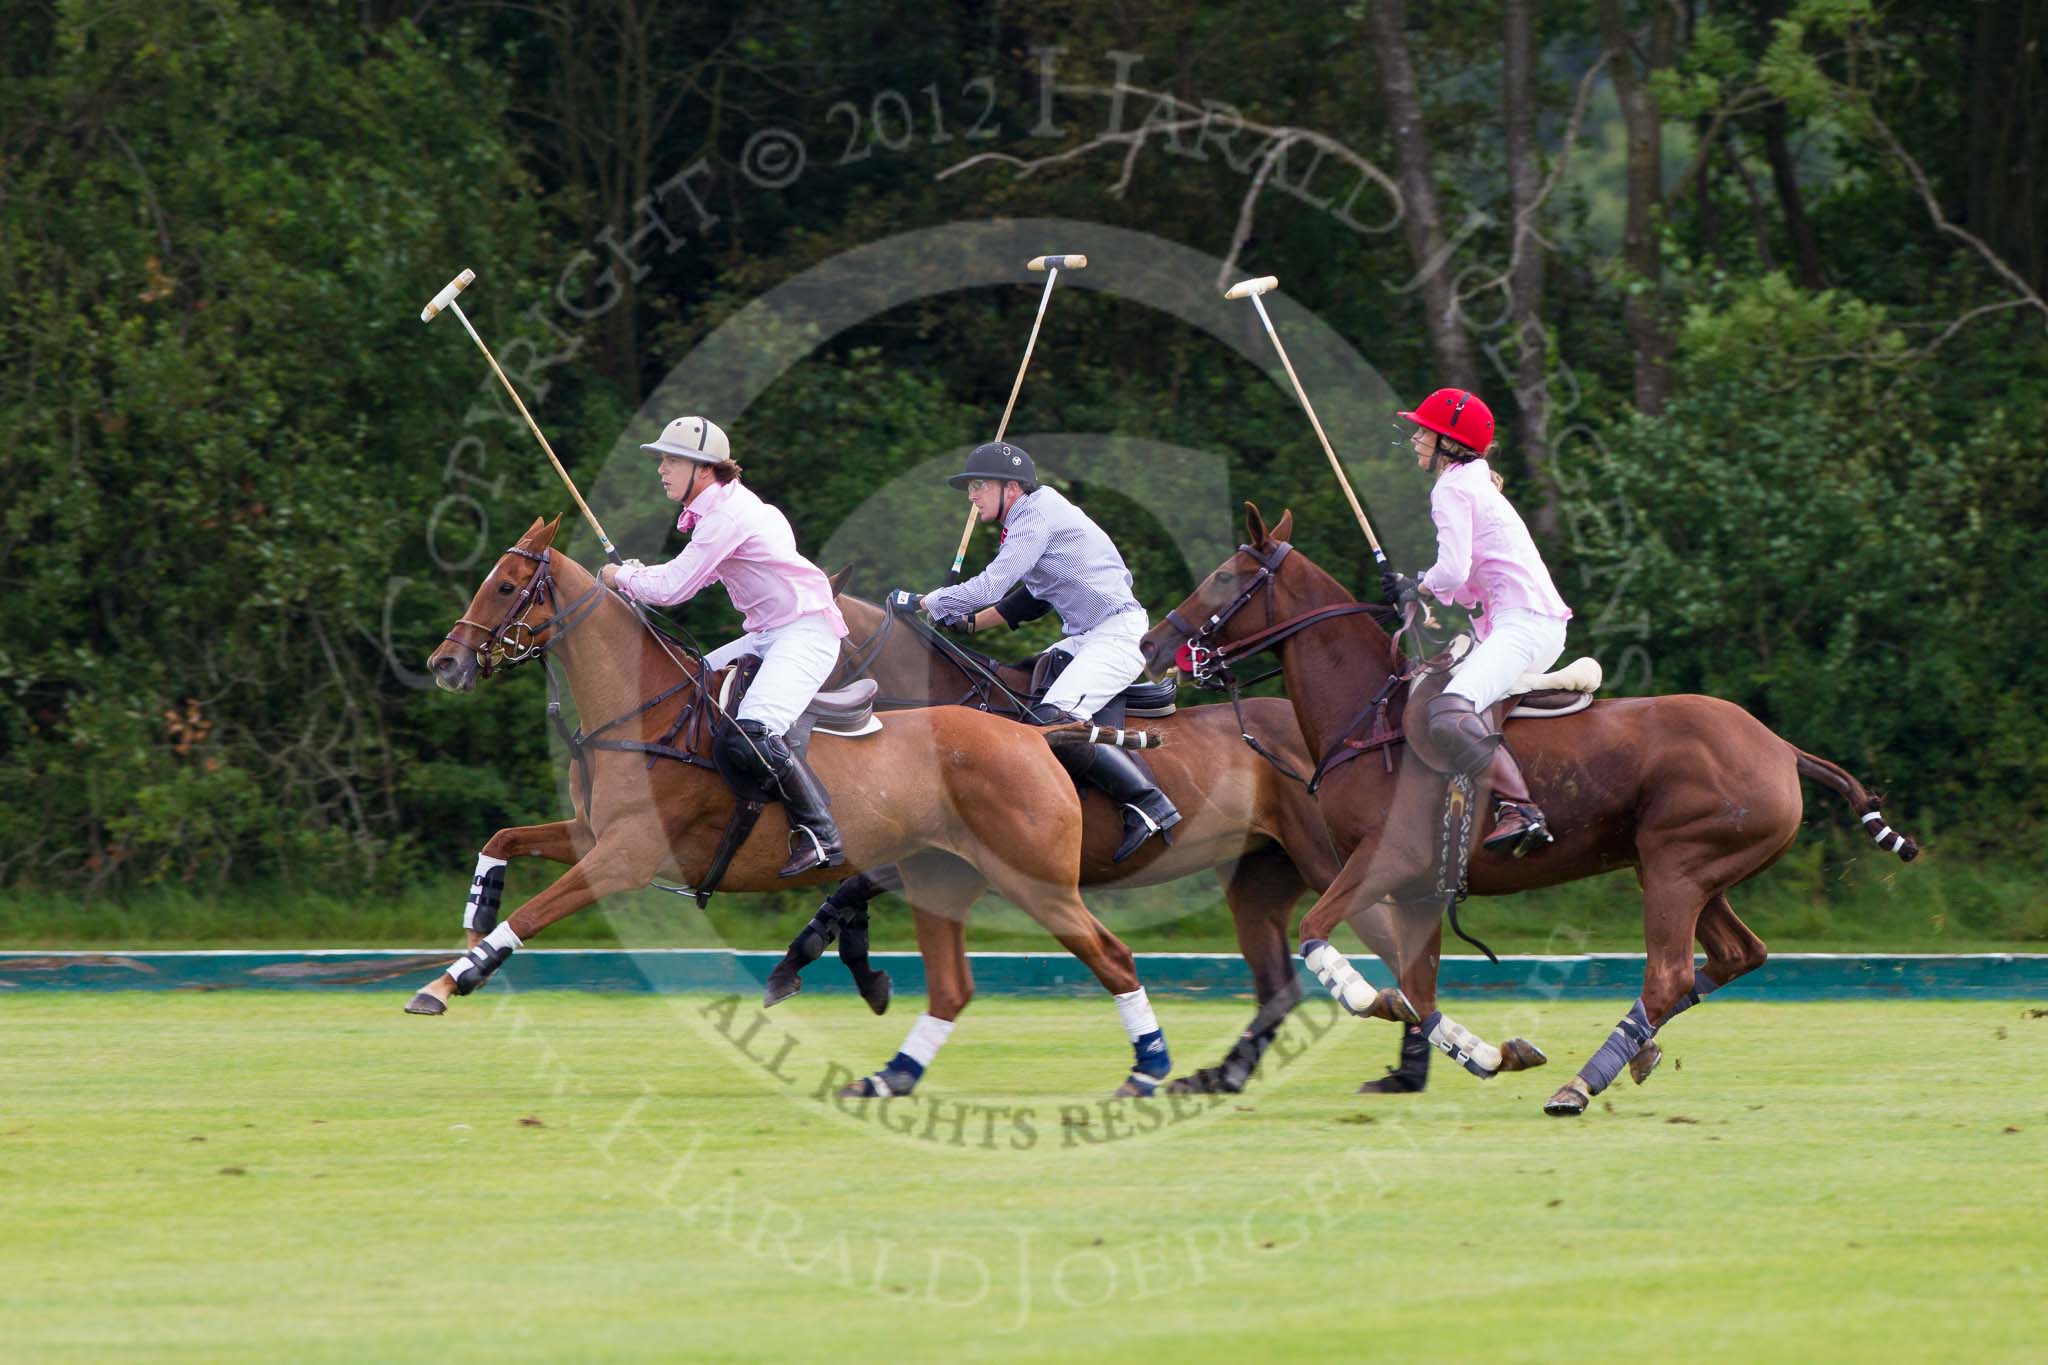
column 1692, row 792
column 1259, row 832
column 960, row 800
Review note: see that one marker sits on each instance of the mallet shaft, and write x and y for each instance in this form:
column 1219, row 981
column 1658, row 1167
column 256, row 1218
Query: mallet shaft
column 1379, row 556
column 1051, row 265
column 610, row 551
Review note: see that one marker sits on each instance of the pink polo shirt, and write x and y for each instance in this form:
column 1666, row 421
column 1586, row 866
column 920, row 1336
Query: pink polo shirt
column 1485, row 556
column 740, row 541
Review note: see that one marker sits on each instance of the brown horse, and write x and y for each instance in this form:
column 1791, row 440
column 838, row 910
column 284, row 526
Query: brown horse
column 1691, row 792
column 1241, row 817
column 958, row 799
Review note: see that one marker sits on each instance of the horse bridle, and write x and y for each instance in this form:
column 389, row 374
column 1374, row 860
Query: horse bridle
column 515, row 640
column 1207, row 665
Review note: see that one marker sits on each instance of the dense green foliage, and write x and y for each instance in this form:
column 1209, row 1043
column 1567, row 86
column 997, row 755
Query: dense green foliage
column 246, row 492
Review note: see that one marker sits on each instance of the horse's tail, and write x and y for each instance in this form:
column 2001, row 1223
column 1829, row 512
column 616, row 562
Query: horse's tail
column 1080, row 733
column 1838, row 778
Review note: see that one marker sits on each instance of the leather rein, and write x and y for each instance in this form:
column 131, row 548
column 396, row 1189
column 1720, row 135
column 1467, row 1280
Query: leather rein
column 516, row 641
column 1209, row 665
column 980, row 672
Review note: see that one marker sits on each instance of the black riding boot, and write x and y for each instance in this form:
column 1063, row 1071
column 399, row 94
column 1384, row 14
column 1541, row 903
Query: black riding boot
column 766, row 759
column 813, row 837
column 1146, row 809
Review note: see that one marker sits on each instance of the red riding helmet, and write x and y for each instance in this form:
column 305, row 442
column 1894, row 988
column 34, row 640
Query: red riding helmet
column 1458, row 414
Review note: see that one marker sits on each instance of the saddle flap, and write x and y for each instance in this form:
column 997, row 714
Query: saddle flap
column 848, row 712
column 855, row 697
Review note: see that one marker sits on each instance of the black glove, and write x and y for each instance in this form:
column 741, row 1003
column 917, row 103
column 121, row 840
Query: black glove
column 905, row 601
column 1398, row 589
column 960, row 625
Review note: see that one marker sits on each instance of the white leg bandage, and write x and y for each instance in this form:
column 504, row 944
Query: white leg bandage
column 927, row 1036
column 1340, row 978
column 1136, row 1011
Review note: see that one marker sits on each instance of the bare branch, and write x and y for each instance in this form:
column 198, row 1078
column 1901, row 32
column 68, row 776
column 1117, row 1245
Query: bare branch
column 1941, row 222
column 1279, row 139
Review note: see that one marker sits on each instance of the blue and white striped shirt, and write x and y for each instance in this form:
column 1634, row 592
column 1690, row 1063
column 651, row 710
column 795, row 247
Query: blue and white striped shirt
column 1062, row 558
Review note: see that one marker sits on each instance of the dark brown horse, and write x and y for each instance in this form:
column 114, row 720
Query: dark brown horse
column 1260, row 832
column 1691, row 792
column 958, row 799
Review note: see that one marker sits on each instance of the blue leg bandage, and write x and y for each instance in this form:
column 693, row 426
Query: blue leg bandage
column 1630, row 1034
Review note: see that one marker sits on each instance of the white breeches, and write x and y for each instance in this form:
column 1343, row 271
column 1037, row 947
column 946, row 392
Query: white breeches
column 1106, row 661
column 795, row 661
column 1520, row 642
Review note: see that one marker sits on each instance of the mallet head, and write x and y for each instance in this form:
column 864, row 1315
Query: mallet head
column 1248, row 288
column 447, row 295
column 1043, row 263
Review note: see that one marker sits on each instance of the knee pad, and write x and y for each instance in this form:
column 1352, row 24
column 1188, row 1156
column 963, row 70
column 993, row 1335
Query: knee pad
column 1460, row 732
column 1047, row 670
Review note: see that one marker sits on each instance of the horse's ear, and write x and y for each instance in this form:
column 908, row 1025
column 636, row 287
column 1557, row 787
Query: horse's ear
column 1283, row 529
column 840, row 580
column 532, row 531
column 547, row 532
column 1254, row 527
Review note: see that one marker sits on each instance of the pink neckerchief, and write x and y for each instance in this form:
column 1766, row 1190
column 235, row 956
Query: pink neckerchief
column 701, row 506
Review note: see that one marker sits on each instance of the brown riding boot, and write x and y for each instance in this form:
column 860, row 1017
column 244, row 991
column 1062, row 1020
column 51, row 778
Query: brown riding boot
column 1518, row 823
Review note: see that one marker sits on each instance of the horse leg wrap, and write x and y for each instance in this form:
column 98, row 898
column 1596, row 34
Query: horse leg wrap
column 486, row 894
column 1630, row 1034
column 1338, row 976
column 853, row 940
column 1702, row 987
column 1150, row 1062
column 475, row 967
column 817, row 936
column 1461, row 1045
column 906, row 1068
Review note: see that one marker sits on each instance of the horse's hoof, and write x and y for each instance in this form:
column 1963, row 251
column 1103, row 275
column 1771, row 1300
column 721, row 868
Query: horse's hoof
column 1645, row 1061
column 1395, row 1083
column 426, row 1003
column 1393, row 1006
column 1519, row 1054
column 1568, row 1102
column 781, row 985
column 877, row 992
column 1210, row 1080
column 1138, row 1086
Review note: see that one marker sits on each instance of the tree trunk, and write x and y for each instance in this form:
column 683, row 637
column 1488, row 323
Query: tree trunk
column 1525, row 278
column 1643, row 306
column 1422, row 223
column 1805, row 250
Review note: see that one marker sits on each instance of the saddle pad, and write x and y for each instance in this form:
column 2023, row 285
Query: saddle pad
column 1151, row 699
column 1548, row 705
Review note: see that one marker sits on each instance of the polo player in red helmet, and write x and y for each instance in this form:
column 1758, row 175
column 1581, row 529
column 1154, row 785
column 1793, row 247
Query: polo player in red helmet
column 1485, row 559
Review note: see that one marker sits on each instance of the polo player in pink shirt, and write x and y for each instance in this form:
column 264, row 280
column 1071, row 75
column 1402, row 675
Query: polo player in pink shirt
column 786, row 604
column 1485, row 559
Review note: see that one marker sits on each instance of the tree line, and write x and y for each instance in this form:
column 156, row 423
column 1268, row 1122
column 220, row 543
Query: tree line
column 1756, row 290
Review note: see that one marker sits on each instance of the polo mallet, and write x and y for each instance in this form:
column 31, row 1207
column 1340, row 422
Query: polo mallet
column 1051, row 265
column 1252, row 289
column 446, row 299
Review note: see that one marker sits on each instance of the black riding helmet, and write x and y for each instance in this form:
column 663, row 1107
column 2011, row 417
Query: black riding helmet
column 998, row 460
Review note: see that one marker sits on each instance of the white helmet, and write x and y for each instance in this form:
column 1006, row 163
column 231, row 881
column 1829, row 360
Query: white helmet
column 692, row 438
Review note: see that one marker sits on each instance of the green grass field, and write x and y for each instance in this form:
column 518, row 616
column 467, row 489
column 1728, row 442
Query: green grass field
column 556, row 1176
